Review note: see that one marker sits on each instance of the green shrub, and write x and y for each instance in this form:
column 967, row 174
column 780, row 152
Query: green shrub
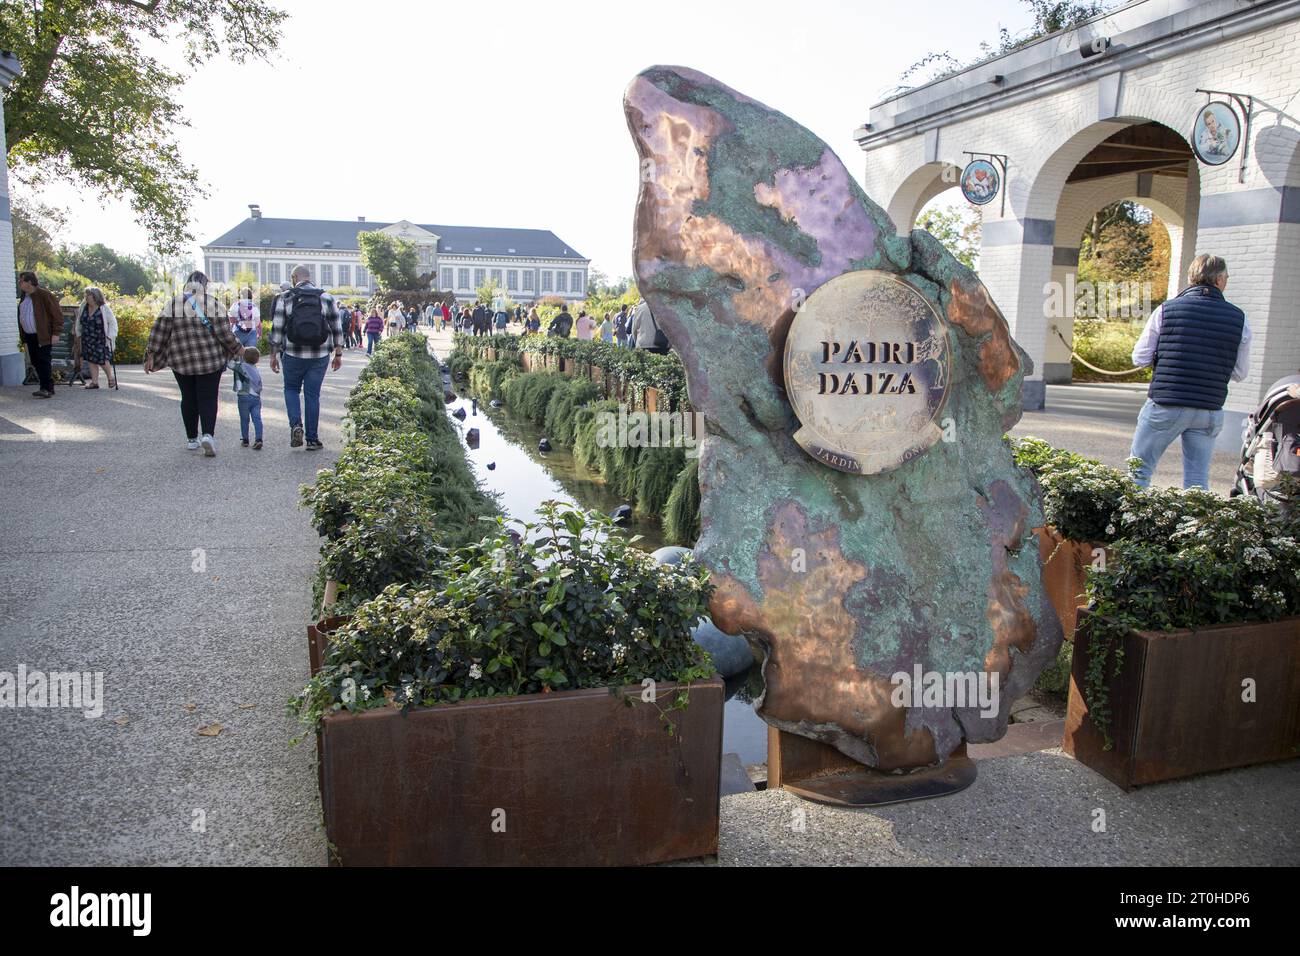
column 1082, row 498
column 571, row 606
column 529, row 394
column 1187, row 559
column 489, row 378
column 1107, row 345
column 681, row 516
column 460, row 365
column 656, row 473
column 562, row 408
column 396, row 542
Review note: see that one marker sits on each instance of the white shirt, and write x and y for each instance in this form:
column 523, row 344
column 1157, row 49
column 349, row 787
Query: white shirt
column 27, row 315
column 1144, row 350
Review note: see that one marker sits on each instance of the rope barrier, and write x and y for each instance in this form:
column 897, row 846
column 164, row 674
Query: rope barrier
column 1086, row 364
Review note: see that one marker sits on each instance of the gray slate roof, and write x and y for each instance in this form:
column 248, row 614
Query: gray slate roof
column 314, row 233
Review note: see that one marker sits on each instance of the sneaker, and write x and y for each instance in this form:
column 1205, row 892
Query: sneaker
column 314, row 445
column 192, row 444
column 209, row 446
column 244, row 442
column 295, row 437
column 257, row 445
column 42, row 393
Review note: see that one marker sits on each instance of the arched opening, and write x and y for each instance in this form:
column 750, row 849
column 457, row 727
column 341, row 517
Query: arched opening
column 1124, row 190
column 921, row 186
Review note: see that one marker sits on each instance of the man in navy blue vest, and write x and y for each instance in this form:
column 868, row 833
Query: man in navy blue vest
column 1195, row 343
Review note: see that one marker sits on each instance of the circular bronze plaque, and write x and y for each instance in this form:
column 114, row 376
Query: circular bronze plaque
column 867, row 368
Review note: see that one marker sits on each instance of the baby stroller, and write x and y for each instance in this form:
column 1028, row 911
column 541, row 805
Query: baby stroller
column 1271, row 442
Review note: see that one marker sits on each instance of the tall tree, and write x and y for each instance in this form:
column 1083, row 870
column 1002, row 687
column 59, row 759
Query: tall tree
column 93, row 108
column 392, row 261
column 34, row 228
column 105, row 265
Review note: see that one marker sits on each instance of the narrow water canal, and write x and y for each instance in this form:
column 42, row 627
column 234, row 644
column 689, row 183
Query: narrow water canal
column 524, row 477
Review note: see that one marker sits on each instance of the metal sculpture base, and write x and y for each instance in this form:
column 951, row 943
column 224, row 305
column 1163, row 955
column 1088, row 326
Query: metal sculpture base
column 818, row 772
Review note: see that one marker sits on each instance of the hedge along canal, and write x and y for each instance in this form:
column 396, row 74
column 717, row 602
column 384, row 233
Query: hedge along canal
column 524, row 477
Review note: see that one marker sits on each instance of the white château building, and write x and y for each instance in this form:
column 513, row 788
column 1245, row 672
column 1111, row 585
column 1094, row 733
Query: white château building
column 528, row 263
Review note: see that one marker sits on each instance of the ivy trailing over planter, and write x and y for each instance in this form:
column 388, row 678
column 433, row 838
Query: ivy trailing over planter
column 1186, row 559
column 637, row 368
column 400, row 494
column 567, row 604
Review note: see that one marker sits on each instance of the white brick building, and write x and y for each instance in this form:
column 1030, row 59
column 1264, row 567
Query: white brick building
column 1091, row 116
column 528, row 263
column 12, row 365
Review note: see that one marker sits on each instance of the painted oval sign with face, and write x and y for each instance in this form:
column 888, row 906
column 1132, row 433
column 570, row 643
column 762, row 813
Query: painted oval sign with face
column 867, row 369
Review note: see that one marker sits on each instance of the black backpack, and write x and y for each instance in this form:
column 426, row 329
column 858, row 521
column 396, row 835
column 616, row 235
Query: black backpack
column 305, row 323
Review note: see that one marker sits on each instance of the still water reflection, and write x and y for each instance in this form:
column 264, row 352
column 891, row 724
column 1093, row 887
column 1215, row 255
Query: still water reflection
column 524, row 477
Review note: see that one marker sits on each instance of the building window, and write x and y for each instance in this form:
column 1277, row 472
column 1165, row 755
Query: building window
column 345, row 276
column 446, row 278
column 496, row 276
column 462, row 278
column 252, row 267
column 546, row 280
column 480, row 277
column 327, row 275
column 218, row 270
column 273, row 273
column 577, row 284
column 528, row 280
column 363, row 278
column 512, row 279
column 561, row 282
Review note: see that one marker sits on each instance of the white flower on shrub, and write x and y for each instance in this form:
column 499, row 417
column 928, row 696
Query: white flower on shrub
column 619, row 651
column 475, row 672
column 365, row 692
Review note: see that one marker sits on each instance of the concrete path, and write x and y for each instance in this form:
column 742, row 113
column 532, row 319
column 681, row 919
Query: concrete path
column 187, row 582
column 1097, row 420
column 1035, row 809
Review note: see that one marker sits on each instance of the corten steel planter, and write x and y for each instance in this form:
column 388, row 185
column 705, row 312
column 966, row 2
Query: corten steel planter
column 1177, row 708
column 1065, row 573
column 569, row 778
column 651, row 400
column 318, row 639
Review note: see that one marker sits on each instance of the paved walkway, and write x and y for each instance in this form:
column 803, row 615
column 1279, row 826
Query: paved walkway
column 1097, row 420
column 98, row 542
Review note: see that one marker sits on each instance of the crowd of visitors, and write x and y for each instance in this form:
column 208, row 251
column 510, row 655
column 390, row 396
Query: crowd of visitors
column 634, row 328
column 307, row 332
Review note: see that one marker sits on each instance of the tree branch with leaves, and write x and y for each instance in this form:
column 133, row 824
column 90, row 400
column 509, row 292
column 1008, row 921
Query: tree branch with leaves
column 91, row 107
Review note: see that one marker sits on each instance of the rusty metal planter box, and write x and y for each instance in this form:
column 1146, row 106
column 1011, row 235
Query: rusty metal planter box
column 1177, row 707
column 1065, row 573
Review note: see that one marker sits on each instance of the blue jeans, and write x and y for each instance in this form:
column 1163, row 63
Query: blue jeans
column 1159, row 425
column 304, row 375
column 250, row 407
column 372, row 339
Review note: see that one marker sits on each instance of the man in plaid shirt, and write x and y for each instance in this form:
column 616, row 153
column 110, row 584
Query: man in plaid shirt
column 304, row 361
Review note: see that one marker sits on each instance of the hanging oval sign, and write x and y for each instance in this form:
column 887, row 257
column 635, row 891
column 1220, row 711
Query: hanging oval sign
column 1216, row 133
column 980, row 182
column 867, row 367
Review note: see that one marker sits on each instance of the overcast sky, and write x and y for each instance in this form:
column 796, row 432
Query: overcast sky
column 510, row 114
